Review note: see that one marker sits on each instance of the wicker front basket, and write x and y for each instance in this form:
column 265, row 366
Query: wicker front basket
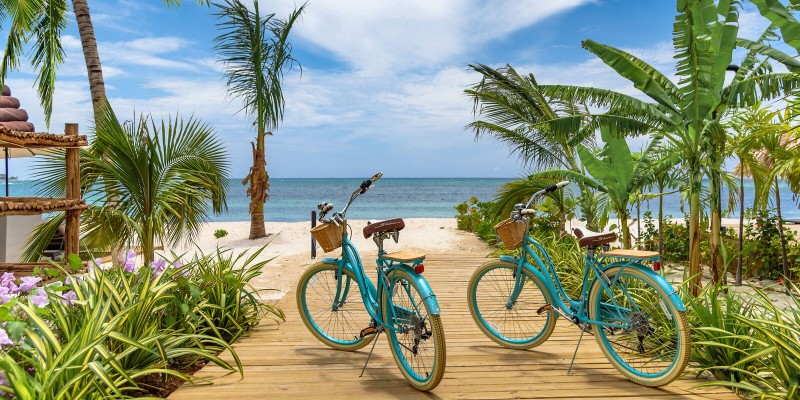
column 511, row 233
column 329, row 236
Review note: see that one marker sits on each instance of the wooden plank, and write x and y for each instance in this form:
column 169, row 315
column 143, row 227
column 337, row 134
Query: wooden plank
column 630, row 253
column 286, row 361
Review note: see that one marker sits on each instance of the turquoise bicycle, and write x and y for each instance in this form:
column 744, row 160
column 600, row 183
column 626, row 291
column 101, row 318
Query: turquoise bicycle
column 336, row 299
column 635, row 315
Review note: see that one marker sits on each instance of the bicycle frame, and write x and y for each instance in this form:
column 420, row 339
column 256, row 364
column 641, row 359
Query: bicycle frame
column 370, row 294
column 566, row 306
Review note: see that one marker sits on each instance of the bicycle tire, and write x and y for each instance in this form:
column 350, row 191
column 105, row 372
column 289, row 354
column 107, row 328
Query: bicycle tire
column 519, row 326
column 421, row 369
column 653, row 347
column 338, row 327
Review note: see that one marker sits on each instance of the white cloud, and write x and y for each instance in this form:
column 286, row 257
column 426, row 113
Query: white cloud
column 376, row 36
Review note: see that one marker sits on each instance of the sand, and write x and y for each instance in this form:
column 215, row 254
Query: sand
column 288, row 244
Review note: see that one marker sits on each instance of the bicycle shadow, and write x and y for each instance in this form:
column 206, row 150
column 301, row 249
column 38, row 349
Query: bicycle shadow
column 381, row 377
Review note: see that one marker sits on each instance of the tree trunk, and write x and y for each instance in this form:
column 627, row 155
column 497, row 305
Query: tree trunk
column 661, row 221
column 783, row 237
column 90, row 54
column 716, row 222
column 738, row 280
column 695, row 272
column 257, row 191
column 638, row 220
column 626, row 231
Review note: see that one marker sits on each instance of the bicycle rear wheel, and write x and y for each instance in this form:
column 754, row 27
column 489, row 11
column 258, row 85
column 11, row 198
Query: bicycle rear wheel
column 648, row 340
column 337, row 325
column 516, row 325
column 418, row 343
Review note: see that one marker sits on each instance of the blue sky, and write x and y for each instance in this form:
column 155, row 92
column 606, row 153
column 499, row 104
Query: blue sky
column 382, row 80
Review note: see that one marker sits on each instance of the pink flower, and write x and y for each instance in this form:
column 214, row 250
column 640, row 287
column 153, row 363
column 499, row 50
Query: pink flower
column 69, row 298
column 158, row 267
column 28, row 283
column 5, row 295
column 4, row 339
column 96, row 263
column 8, row 277
column 39, row 299
column 128, row 261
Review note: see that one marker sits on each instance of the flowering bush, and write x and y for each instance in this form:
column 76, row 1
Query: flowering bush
column 93, row 335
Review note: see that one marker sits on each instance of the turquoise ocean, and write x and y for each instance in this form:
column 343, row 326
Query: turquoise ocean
column 293, row 199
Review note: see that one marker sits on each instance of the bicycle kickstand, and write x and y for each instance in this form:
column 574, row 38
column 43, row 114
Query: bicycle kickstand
column 569, row 371
column 374, row 342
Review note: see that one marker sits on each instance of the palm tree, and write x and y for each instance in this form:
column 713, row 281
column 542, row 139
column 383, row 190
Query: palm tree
column 687, row 112
column 664, row 173
column 512, row 110
column 746, row 124
column 777, row 151
column 43, row 22
column 255, row 50
column 163, row 178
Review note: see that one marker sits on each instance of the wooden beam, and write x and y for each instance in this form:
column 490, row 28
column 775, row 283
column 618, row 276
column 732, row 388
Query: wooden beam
column 73, row 164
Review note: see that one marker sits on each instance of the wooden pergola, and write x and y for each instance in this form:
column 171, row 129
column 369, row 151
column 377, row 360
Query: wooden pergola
column 73, row 204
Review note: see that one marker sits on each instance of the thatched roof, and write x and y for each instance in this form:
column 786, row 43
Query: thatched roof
column 9, row 138
column 38, row 205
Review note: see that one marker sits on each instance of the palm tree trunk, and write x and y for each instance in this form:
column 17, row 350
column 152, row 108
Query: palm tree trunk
column 716, row 222
column 661, row 221
column 783, row 237
column 695, row 273
column 738, row 280
column 639, row 219
column 626, row 230
column 90, row 54
column 257, row 191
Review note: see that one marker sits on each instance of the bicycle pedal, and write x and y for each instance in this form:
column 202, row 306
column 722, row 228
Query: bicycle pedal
column 368, row 331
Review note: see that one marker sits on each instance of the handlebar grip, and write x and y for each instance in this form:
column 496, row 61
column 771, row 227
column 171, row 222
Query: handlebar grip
column 366, row 184
column 553, row 188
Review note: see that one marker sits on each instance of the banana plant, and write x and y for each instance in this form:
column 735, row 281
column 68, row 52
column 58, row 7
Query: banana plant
column 614, row 171
column 688, row 111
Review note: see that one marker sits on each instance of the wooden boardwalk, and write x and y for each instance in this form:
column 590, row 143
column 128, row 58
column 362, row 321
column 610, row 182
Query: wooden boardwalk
column 286, row 361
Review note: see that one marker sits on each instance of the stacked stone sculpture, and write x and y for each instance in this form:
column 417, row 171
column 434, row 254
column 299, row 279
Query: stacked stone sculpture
column 11, row 116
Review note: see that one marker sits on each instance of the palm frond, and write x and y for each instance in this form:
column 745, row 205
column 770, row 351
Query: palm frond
column 694, row 51
column 643, row 76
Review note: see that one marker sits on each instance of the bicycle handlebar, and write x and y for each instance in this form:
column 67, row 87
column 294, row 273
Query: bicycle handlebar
column 338, row 217
column 521, row 210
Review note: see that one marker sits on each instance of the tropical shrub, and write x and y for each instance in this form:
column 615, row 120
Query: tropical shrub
column 118, row 332
column 749, row 345
column 477, row 217
column 764, row 256
column 216, row 297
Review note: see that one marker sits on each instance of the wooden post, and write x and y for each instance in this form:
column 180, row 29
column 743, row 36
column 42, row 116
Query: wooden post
column 73, row 217
column 313, row 241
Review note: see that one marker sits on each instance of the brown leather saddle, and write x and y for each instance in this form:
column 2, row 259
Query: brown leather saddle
column 389, row 225
column 593, row 239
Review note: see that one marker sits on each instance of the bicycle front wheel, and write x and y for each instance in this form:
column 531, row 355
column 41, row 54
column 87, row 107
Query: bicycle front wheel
column 417, row 341
column 513, row 323
column 646, row 338
column 335, row 322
